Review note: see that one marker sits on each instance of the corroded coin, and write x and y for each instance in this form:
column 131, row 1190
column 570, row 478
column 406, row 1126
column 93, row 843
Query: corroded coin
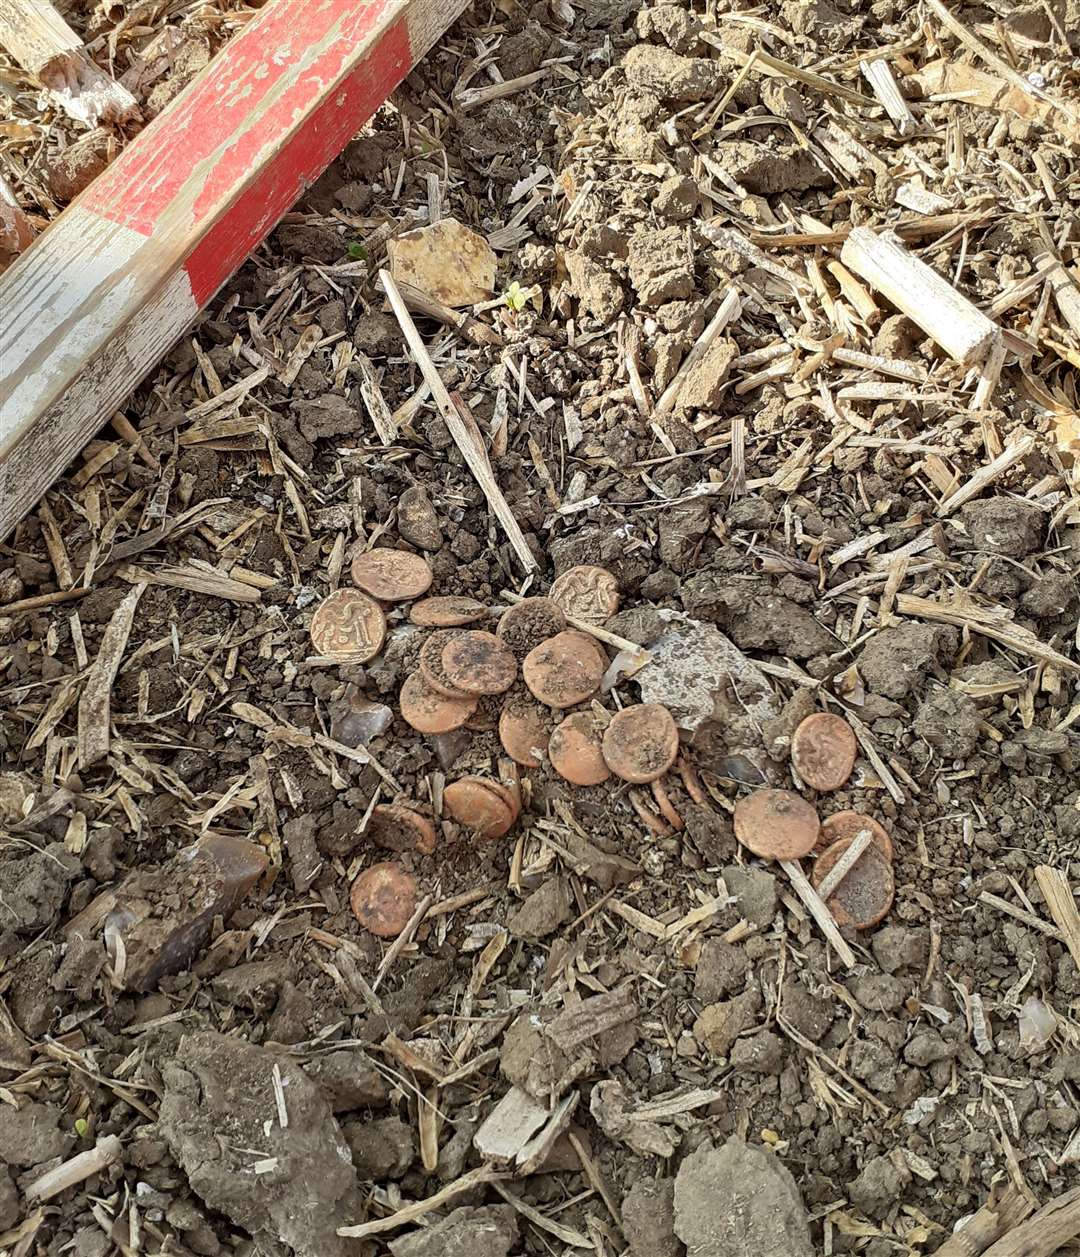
column 528, row 623
column 575, row 750
column 429, row 711
column 841, row 825
column 588, row 593
column 398, row 827
column 641, row 742
column 524, row 729
column 823, row 751
column 563, row 671
column 478, row 663
column 776, row 824
column 383, row 899
column 431, row 666
column 349, row 627
column 446, row 611
column 866, row 894
column 480, row 806
column 391, row 575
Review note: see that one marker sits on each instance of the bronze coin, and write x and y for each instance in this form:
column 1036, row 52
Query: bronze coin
column 776, row 824
column 348, row 626
column 823, row 751
column 524, row 729
column 400, row 828
column 866, row 894
column 575, row 750
column 587, row 593
column 473, row 803
column 391, row 575
column 430, row 712
column 383, row 899
column 479, row 663
column 641, row 742
column 842, row 825
column 562, row 671
column 446, row 611
column 588, row 642
column 431, row 665
column 528, row 623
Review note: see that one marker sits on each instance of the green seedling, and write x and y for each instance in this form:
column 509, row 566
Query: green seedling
column 357, row 251
column 515, row 296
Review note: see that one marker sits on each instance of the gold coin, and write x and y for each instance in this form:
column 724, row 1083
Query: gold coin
column 348, row 627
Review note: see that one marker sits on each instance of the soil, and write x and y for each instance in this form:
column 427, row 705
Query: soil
column 734, row 1087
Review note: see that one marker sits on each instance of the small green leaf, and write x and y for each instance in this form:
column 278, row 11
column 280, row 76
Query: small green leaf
column 515, row 297
column 82, row 1127
column 357, row 251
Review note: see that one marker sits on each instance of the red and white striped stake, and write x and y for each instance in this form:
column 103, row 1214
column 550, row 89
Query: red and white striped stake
column 96, row 301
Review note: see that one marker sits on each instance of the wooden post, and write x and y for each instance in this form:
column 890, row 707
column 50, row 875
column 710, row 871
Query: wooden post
column 44, row 45
column 97, row 299
column 918, row 291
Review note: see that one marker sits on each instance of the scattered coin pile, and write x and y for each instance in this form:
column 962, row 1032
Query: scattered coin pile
column 538, row 677
column 855, row 881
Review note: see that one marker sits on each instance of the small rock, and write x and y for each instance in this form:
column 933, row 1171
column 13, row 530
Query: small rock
column 739, row 1201
column 721, row 970
column 754, row 892
column 897, row 947
column 880, row 1185
column 661, row 265
column 761, row 1053
column 288, row 1023
column 895, row 661
column 879, row 992
column 703, row 385
column 10, row 1212
column 769, row 171
column 677, row 197
column 349, row 1080
column 488, row 1231
column 326, row 416
column 219, row 1102
column 811, row 1015
column 543, row 912
column 445, row 260
column 1004, row 525
column 648, row 1214
column 669, row 75
column 417, row 522
column 950, row 722
column 304, row 858
column 254, row 985
column 383, row 1148
column 671, row 23
column 719, row 1025
column 598, row 292
column 31, row 1134
column 783, row 100
column 927, row 1047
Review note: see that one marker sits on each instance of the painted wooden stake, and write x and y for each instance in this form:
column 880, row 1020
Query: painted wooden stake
column 101, row 295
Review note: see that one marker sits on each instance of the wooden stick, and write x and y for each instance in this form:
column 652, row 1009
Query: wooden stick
column 843, row 866
column 998, row 1216
column 775, row 68
column 988, row 474
column 473, row 453
column 958, row 326
column 727, row 312
column 818, row 910
column 1044, row 1232
column 1061, row 905
column 115, row 280
column 878, row 73
column 44, row 45
column 1064, row 288
column 475, row 1178
column 75, row 1170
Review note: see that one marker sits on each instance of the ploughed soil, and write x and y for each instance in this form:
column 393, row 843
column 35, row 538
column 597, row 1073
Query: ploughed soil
column 784, row 542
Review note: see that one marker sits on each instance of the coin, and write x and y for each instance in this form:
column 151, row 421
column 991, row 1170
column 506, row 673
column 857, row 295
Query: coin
column 841, row 825
column 866, row 894
column 528, row 623
column 391, row 575
column 383, row 899
column 641, row 742
column 446, row 611
column 575, row 750
column 400, row 828
column 776, row 824
column 430, row 712
column 348, row 626
column 587, row 593
column 563, row 671
column 524, row 729
column 431, row 665
column 473, row 803
column 823, row 751
column 479, row 663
